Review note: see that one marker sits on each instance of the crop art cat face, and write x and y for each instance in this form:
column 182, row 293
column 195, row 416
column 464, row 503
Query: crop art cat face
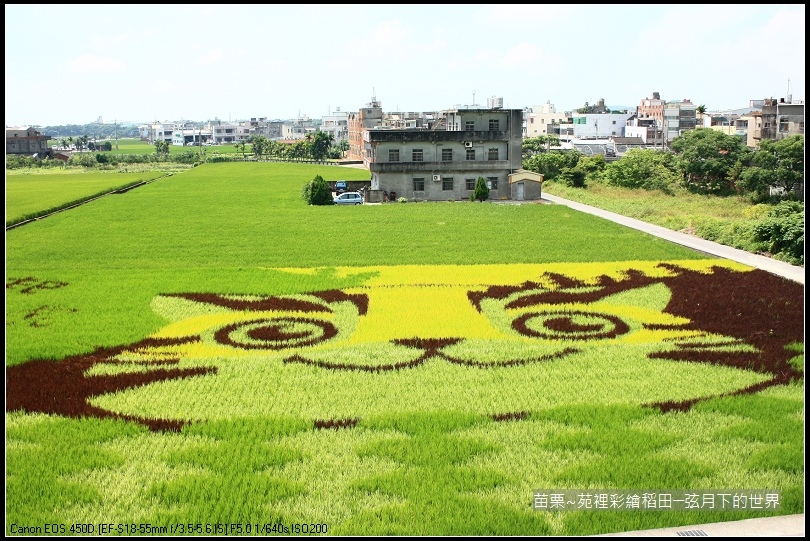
column 502, row 340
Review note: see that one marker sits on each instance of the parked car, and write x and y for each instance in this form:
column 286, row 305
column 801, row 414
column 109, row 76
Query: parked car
column 349, row 198
column 610, row 152
column 340, row 187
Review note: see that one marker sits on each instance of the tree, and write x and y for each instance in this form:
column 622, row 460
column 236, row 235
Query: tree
column 645, row 169
column 161, row 148
column 481, row 192
column 705, row 159
column 317, row 192
column 551, row 163
column 776, row 164
column 260, row 146
column 320, row 143
column 240, row 147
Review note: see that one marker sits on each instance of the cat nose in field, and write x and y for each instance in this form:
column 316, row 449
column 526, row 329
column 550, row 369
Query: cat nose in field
column 429, row 345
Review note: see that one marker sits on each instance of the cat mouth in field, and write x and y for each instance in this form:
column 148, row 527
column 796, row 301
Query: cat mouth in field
column 432, row 349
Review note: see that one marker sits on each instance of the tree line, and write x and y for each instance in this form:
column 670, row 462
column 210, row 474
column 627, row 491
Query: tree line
column 701, row 161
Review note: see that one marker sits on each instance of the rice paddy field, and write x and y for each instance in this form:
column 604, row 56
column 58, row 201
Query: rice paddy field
column 208, row 355
column 29, row 195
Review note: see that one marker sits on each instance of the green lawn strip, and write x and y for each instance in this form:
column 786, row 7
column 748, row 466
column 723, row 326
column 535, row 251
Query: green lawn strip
column 30, row 196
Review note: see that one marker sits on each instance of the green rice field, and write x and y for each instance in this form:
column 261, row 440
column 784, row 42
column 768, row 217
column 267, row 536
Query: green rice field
column 205, row 354
column 30, row 195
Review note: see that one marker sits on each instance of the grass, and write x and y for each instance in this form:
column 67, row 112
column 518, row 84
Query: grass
column 421, row 452
column 138, row 146
column 681, row 212
column 30, row 195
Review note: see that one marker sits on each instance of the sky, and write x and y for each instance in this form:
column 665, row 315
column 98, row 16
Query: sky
column 74, row 63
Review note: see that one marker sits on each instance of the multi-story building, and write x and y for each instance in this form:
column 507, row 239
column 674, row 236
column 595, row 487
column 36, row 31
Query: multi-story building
column 782, row 118
column 27, row 141
column 652, row 108
column 271, row 129
column 365, row 119
column 163, row 131
column 647, row 129
column 543, row 120
column 336, row 124
column 298, row 128
column 599, row 125
column 679, row 116
column 443, row 160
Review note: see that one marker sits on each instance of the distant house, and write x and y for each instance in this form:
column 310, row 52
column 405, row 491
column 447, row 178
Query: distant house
column 443, row 160
column 27, row 142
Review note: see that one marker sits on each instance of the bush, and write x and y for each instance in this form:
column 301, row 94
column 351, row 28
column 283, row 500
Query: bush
column 573, row 177
column 317, row 192
column 402, row 200
column 481, row 192
column 782, row 232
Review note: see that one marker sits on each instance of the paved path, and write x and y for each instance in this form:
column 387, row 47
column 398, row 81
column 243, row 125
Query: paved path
column 774, row 266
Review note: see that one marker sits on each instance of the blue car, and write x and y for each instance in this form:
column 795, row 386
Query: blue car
column 340, row 187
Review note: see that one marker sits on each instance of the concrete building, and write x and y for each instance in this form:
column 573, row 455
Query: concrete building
column 543, row 120
column 782, row 118
column 27, row 141
column 679, row 116
column 443, row 160
column 647, row 129
column 365, row 119
column 652, row 108
column 599, row 125
column 270, row 129
column 298, row 128
column 224, row 133
column 336, row 124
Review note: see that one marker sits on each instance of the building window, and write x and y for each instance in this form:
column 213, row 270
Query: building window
column 783, row 125
column 493, row 154
column 419, row 184
column 492, row 183
column 447, row 183
column 393, row 155
column 494, row 124
column 447, row 154
column 417, row 155
column 469, row 125
column 469, row 183
column 470, row 154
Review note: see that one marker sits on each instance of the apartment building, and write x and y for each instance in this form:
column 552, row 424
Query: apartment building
column 679, row 116
column 336, row 124
column 782, row 118
column 442, row 160
column 543, row 120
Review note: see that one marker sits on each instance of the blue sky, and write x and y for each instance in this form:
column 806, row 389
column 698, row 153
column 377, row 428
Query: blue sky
column 70, row 64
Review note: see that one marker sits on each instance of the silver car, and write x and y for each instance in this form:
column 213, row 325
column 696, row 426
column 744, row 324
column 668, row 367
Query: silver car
column 349, row 198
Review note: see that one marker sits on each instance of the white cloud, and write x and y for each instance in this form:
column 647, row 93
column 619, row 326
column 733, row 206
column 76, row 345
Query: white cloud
column 89, row 63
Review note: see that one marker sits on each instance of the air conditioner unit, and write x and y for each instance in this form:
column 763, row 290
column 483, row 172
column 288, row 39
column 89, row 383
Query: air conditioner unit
column 467, row 144
column 437, row 178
